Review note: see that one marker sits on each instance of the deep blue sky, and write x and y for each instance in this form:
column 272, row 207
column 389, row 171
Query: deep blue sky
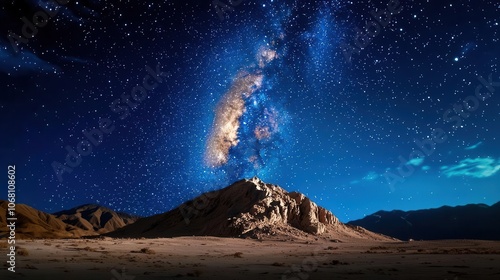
column 336, row 128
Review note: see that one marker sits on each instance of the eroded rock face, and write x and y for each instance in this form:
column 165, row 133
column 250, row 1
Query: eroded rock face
column 276, row 206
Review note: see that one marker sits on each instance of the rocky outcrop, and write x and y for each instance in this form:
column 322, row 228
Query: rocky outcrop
column 275, row 206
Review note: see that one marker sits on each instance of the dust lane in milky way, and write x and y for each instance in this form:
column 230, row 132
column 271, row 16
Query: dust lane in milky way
column 232, row 106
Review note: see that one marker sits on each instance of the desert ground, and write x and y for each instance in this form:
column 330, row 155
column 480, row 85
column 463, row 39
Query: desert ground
column 233, row 258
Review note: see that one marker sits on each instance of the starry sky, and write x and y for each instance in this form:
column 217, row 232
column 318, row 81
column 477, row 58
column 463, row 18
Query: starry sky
column 141, row 105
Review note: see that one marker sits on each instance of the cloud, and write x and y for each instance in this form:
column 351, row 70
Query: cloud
column 23, row 63
column 426, row 167
column 415, row 161
column 371, row 176
column 77, row 13
column 477, row 168
column 73, row 59
column 474, row 146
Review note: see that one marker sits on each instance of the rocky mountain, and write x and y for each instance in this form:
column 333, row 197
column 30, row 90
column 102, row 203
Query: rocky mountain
column 32, row 223
column 247, row 208
column 472, row 221
column 93, row 217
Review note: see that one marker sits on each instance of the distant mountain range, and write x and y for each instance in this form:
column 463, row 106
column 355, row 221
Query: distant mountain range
column 472, row 221
column 32, row 223
column 85, row 220
column 247, row 208
column 93, row 217
column 252, row 208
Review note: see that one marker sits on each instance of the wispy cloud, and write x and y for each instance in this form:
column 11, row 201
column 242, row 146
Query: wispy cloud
column 416, row 161
column 474, row 146
column 371, row 176
column 473, row 167
column 23, row 63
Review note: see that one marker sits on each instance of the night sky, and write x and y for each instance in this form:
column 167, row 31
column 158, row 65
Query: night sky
column 361, row 105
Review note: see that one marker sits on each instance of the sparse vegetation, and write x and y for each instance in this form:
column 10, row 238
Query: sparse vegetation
column 196, row 273
column 148, row 251
column 29, row 266
column 89, row 249
column 336, row 262
column 22, row 252
column 379, row 248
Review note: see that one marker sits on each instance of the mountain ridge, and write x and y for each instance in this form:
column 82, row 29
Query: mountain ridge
column 470, row 221
column 33, row 223
column 94, row 217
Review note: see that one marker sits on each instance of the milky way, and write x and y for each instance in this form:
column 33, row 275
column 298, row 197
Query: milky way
column 227, row 119
column 230, row 109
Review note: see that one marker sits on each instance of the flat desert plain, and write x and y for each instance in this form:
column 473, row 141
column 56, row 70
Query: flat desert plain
column 232, row 258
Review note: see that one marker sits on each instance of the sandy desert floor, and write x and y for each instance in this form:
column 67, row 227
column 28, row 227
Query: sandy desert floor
column 230, row 258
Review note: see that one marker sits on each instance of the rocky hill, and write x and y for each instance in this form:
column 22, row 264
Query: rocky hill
column 93, row 217
column 247, row 208
column 32, row 223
